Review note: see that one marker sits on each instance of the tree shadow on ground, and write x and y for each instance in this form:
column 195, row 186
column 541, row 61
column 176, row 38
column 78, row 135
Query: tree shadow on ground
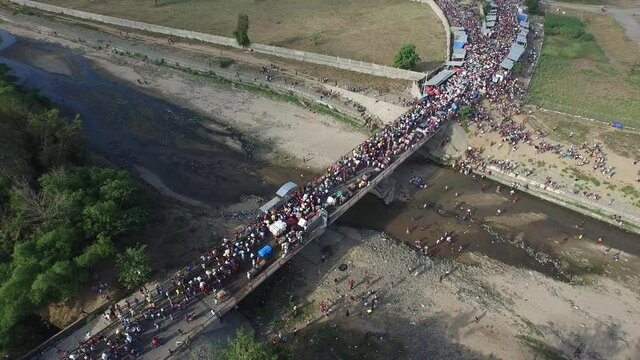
column 603, row 341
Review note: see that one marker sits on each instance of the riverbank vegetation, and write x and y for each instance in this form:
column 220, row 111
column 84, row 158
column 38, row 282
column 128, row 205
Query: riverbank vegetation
column 587, row 68
column 58, row 217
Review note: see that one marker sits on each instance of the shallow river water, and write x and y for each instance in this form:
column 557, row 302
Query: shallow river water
column 193, row 156
column 522, row 235
column 198, row 158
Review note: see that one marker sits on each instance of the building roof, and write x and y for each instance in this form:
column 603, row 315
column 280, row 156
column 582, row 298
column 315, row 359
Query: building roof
column 439, row 78
column 270, row 205
column 491, row 24
column 523, row 31
column 456, row 28
column 507, row 64
column 459, row 54
column 461, row 37
column 521, row 39
column 491, row 18
column 286, row 189
column 454, row 63
column 524, row 24
column 484, row 29
column 515, row 52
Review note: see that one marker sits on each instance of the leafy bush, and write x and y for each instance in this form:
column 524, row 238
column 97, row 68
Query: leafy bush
column 407, row 57
column 57, row 218
column 225, row 62
column 133, row 266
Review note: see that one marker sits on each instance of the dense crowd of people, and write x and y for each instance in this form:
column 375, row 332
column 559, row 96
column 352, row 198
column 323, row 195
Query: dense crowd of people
column 353, row 171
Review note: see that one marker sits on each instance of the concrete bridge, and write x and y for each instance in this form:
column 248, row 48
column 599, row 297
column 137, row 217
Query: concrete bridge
column 177, row 333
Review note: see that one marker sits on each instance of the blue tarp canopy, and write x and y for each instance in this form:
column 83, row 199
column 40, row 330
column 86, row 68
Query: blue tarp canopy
column 265, row 251
column 522, row 17
column 458, row 45
column 617, row 125
column 286, row 189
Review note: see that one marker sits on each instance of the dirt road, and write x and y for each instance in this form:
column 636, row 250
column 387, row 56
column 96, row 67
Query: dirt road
column 625, row 16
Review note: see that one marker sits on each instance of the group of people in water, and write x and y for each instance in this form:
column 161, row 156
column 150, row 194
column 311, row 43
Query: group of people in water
column 213, row 270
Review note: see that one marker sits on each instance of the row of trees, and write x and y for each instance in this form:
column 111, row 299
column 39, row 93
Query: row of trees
column 58, row 218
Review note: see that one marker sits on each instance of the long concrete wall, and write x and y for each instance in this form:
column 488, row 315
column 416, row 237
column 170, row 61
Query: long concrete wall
column 333, row 61
column 445, row 24
column 576, row 203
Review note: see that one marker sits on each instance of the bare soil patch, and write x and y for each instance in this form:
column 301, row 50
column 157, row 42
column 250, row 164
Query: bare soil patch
column 482, row 309
column 371, row 30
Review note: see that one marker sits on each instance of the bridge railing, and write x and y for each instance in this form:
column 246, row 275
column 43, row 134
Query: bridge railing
column 333, row 216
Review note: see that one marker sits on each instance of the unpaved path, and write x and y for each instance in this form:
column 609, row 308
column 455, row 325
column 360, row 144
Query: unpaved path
column 387, row 112
column 624, row 16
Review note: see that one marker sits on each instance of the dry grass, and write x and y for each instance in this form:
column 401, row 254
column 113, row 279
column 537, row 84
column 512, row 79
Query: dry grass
column 368, row 30
column 590, row 76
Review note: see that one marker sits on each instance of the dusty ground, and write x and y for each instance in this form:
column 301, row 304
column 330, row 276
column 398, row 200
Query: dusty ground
column 275, row 123
column 279, row 124
column 371, row 30
column 561, row 169
column 522, row 314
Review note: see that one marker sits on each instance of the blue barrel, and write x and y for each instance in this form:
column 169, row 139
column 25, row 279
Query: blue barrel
column 265, row 251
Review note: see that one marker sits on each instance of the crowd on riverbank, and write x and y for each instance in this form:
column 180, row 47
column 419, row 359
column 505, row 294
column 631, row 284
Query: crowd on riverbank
column 213, row 270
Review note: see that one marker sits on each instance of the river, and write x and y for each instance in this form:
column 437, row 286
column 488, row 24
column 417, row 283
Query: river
column 200, row 159
column 194, row 158
column 529, row 232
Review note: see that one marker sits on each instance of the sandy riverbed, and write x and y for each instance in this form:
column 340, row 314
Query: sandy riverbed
column 436, row 320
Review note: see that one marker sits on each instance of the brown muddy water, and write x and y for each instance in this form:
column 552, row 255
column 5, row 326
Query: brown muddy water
column 528, row 233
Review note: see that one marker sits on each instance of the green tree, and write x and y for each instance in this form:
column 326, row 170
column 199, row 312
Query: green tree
column 133, row 266
column 316, row 37
column 534, row 7
column 242, row 347
column 465, row 112
column 486, row 8
column 517, row 68
column 407, row 57
column 241, row 32
column 57, row 142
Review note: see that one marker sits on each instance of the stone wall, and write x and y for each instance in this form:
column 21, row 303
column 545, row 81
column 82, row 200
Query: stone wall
column 576, row 203
column 445, row 24
column 333, row 61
